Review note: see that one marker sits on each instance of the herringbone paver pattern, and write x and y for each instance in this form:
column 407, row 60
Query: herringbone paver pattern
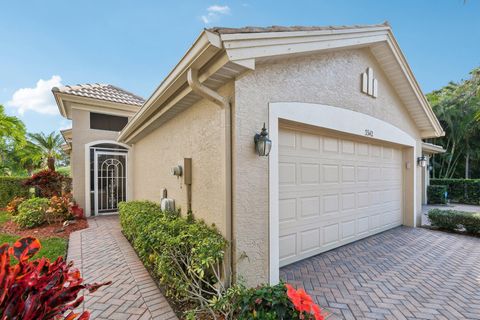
column 404, row 273
column 102, row 253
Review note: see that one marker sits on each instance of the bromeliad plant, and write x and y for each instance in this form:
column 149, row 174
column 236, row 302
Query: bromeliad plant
column 39, row 289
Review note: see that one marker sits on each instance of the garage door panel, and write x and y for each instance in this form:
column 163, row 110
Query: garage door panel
column 309, row 240
column 348, row 229
column 288, row 246
column 309, row 173
column 287, row 210
column 309, row 207
column 334, row 191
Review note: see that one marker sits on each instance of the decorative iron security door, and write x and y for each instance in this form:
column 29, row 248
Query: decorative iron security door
column 110, row 180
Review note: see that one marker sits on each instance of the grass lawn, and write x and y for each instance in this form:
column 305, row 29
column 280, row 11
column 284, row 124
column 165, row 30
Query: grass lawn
column 52, row 248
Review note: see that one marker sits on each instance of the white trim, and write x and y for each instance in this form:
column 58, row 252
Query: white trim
column 87, row 170
column 116, row 153
column 328, row 117
column 66, row 102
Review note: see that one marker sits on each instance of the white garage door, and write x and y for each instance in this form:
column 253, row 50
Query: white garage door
column 334, row 191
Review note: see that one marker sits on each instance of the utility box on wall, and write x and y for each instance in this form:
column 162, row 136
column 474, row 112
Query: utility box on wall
column 187, row 167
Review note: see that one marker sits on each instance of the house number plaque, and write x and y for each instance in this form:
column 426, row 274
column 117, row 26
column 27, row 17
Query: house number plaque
column 368, row 133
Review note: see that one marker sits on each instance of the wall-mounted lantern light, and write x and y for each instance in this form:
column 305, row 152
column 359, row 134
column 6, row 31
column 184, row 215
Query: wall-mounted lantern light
column 422, row 161
column 262, row 143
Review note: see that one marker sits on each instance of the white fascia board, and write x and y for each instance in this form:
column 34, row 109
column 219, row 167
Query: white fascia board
column 102, row 109
column 59, row 101
column 67, row 102
column 206, row 46
column 400, row 57
column 432, row 148
column 287, row 46
column 179, row 95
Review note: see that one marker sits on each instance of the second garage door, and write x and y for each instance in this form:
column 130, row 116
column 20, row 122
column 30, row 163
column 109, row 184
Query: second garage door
column 334, row 191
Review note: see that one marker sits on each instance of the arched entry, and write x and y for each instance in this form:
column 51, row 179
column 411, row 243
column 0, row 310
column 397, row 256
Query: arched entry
column 108, row 172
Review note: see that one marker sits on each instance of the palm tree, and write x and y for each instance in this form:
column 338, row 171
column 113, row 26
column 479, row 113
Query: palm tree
column 49, row 146
column 30, row 157
column 12, row 137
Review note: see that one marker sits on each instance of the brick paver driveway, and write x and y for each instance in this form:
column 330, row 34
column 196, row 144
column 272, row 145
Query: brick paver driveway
column 403, row 273
column 102, row 253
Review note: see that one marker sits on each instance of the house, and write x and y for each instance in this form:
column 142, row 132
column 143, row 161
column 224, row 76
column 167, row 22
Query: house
column 98, row 112
column 342, row 109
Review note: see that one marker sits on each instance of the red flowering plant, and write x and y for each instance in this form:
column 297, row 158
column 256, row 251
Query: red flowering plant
column 304, row 304
column 49, row 183
column 39, row 289
column 278, row 302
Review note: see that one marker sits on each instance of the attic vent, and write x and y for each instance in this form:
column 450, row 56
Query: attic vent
column 369, row 84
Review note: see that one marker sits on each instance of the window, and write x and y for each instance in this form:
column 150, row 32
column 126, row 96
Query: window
column 101, row 121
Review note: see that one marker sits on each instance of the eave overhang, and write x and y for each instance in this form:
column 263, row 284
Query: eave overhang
column 430, row 148
column 222, row 57
column 66, row 102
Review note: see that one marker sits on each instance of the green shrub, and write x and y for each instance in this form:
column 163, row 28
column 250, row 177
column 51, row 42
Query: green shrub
column 461, row 190
column 180, row 252
column 436, row 194
column 31, row 213
column 11, row 187
column 186, row 256
column 266, row 302
column 453, row 220
column 444, row 219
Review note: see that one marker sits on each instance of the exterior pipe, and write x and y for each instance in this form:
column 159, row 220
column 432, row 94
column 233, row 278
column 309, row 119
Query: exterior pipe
column 223, row 103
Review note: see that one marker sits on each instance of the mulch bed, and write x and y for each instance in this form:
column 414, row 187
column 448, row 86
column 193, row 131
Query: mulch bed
column 45, row 231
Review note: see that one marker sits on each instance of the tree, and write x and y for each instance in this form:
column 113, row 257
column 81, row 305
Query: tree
column 457, row 106
column 12, row 139
column 30, row 157
column 49, row 146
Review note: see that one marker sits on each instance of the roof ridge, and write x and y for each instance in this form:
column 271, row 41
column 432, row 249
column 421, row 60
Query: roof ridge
column 278, row 28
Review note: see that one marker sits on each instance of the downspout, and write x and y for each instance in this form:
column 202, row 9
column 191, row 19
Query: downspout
column 225, row 105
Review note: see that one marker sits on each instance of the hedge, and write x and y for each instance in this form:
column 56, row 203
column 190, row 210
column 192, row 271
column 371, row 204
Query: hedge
column 461, row 190
column 178, row 251
column 11, row 187
column 436, row 194
column 453, row 220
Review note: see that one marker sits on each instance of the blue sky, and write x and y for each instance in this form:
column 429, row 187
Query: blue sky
column 134, row 44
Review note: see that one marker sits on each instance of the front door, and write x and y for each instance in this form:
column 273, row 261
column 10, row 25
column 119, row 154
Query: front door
column 110, row 187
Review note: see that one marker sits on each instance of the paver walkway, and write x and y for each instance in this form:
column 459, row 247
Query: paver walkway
column 102, row 254
column 404, row 273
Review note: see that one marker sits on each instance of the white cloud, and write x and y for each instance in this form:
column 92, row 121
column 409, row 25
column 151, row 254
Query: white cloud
column 214, row 12
column 38, row 99
column 219, row 9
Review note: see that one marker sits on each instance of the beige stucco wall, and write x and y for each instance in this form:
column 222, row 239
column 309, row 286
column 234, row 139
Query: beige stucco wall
column 82, row 135
column 196, row 133
column 332, row 79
